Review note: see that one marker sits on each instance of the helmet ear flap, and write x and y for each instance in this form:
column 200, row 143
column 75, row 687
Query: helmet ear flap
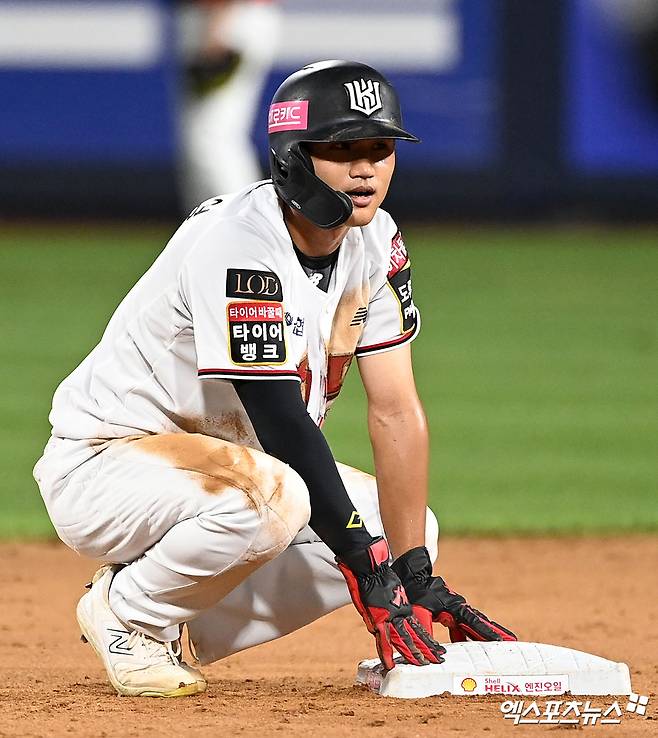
column 302, row 190
column 278, row 167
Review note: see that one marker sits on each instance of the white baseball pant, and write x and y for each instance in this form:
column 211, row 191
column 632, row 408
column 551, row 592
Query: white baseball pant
column 214, row 535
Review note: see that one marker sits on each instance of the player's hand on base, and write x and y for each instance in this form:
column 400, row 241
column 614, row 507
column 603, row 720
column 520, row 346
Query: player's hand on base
column 432, row 600
column 382, row 602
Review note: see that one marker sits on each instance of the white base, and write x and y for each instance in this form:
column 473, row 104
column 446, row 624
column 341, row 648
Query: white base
column 500, row 668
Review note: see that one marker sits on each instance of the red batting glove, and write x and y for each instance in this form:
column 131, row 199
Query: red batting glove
column 382, row 602
column 433, row 601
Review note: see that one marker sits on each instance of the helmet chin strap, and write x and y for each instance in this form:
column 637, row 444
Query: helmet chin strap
column 305, row 192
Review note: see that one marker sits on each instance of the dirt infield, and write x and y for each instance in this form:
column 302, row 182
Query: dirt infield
column 597, row 595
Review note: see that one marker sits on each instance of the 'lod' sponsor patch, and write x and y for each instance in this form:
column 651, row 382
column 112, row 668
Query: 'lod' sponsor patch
column 288, row 116
column 252, row 284
column 256, row 333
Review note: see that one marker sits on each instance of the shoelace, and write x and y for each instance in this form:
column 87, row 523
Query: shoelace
column 191, row 647
column 167, row 652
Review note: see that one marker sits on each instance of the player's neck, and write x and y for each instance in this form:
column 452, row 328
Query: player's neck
column 310, row 239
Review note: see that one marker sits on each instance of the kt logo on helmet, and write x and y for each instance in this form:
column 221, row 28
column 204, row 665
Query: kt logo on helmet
column 364, row 95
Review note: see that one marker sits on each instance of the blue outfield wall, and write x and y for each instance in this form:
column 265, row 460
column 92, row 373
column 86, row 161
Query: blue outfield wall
column 111, row 115
column 100, row 136
column 612, row 112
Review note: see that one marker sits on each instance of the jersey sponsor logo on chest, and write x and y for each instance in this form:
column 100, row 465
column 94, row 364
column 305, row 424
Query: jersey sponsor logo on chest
column 400, row 283
column 399, row 256
column 250, row 283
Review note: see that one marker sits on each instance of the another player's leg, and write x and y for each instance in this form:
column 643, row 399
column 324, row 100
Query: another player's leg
column 216, row 124
column 191, row 517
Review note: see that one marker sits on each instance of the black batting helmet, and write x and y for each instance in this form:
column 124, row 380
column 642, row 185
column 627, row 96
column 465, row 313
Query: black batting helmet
column 326, row 101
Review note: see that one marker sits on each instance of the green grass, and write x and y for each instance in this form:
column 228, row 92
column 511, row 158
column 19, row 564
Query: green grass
column 537, row 363
column 60, row 286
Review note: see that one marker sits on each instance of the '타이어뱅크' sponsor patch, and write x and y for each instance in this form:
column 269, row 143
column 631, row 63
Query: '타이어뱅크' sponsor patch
column 255, row 333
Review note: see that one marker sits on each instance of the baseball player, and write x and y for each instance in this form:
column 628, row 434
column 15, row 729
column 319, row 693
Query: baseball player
column 186, row 448
column 235, row 44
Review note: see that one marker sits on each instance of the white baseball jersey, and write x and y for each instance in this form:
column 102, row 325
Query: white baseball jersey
column 228, row 299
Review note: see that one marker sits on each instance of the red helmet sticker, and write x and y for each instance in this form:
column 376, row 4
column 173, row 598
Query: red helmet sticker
column 288, row 116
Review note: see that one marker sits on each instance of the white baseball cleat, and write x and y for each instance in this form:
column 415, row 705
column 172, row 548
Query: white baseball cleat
column 137, row 665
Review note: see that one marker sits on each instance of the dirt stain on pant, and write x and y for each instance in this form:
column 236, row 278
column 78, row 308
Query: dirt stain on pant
column 217, row 465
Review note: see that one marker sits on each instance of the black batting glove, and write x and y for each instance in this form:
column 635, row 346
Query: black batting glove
column 432, row 600
column 380, row 599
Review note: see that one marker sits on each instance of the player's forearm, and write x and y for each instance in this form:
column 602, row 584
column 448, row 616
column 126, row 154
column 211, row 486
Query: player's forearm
column 400, row 443
column 286, row 431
